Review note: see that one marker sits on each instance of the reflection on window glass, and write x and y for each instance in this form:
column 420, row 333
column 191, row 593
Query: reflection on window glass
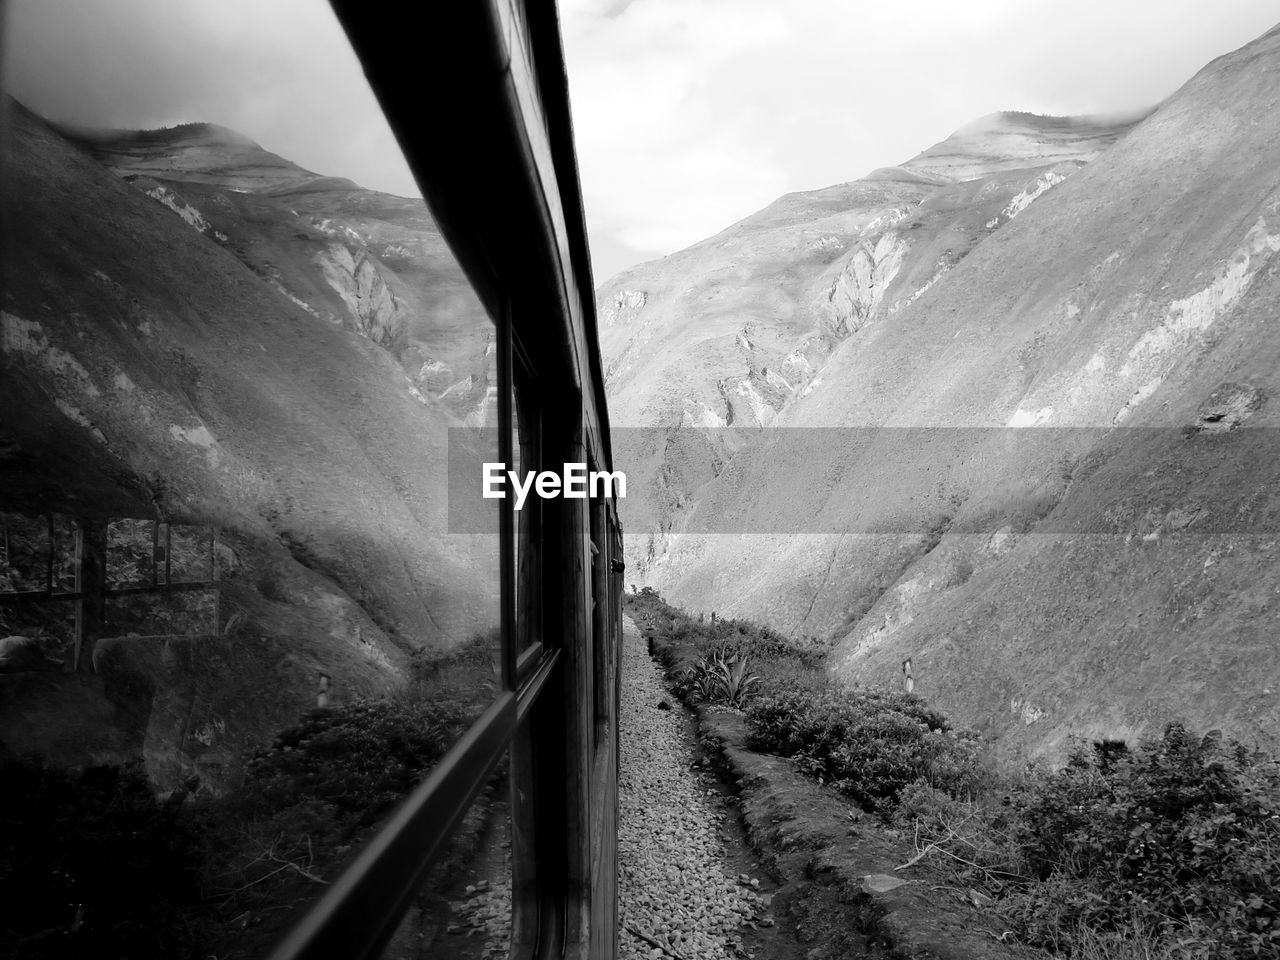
column 189, row 554
column 234, row 630
column 132, row 553
column 25, row 549
column 186, row 614
column 600, row 617
column 463, row 910
column 526, row 446
column 37, row 559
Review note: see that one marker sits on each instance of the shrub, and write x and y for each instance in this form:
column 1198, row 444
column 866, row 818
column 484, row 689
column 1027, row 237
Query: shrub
column 869, row 744
column 307, row 801
column 722, row 677
column 928, row 811
column 1138, row 941
column 358, row 759
column 469, row 673
column 1182, row 834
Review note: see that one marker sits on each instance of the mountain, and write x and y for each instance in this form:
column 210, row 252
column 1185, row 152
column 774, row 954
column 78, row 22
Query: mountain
column 383, row 268
column 1009, row 141
column 1002, row 411
column 731, row 331
column 198, row 330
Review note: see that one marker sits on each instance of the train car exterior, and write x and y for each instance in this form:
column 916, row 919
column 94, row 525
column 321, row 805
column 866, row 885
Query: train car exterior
column 479, row 102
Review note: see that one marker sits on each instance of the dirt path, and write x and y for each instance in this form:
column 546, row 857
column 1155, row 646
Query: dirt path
column 689, row 885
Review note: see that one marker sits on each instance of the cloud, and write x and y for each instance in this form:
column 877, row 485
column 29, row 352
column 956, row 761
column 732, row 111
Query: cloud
column 658, row 128
column 280, row 72
column 689, row 114
column 692, row 114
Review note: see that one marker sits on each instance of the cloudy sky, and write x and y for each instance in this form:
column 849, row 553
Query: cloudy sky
column 689, row 114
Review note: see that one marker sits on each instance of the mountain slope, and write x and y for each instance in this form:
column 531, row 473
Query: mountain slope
column 723, row 336
column 1095, row 580
column 373, row 262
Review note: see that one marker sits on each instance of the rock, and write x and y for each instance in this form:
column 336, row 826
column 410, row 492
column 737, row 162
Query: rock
column 881, row 883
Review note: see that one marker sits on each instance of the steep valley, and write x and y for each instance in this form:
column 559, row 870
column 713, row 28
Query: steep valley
column 1002, row 411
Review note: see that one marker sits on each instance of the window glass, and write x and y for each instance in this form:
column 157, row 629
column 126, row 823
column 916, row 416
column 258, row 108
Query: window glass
column 134, row 556
column 526, row 446
column 238, row 341
column 599, row 618
column 37, row 556
column 463, row 909
column 25, row 549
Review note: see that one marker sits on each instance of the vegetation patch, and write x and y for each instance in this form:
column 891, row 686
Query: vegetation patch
column 870, row 745
column 94, row 864
column 1166, row 851
column 1178, row 841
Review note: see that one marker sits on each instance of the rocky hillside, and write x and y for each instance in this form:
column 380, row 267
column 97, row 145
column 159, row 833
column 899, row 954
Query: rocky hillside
column 371, row 262
column 198, row 330
column 1025, row 276
column 732, row 331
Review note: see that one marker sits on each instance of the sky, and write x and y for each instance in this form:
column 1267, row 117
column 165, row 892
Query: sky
column 689, row 114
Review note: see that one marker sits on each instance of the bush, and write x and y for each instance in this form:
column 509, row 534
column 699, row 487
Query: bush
column 358, row 759
column 306, row 802
column 470, row 673
column 722, row 677
column 869, row 744
column 1181, row 835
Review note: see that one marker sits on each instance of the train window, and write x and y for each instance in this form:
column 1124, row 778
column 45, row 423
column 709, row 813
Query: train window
column 602, row 692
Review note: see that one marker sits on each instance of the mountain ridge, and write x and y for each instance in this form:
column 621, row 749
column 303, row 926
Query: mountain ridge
column 1011, row 139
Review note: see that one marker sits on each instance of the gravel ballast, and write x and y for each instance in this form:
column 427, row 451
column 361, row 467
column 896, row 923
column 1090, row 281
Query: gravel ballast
column 676, row 887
